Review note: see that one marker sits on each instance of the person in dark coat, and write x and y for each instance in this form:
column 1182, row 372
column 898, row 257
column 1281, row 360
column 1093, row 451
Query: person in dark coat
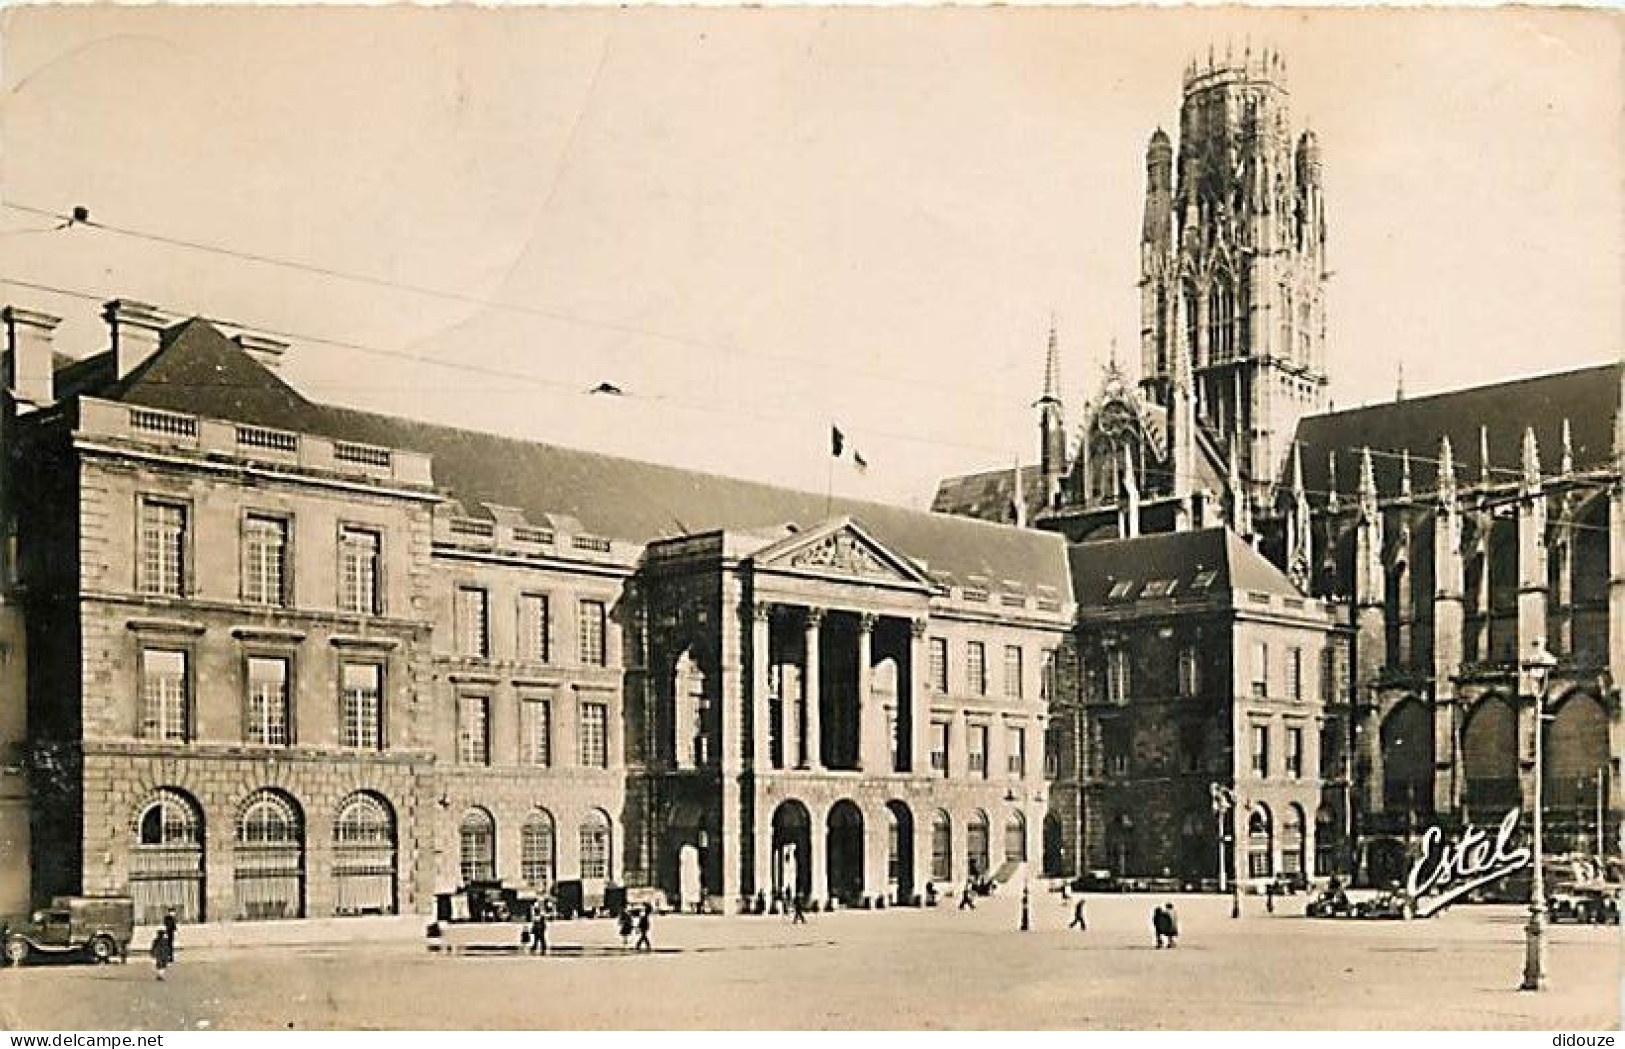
column 538, row 930
column 967, row 899
column 797, row 911
column 1080, row 917
column 626, row 927
column 163, row 951
column 1269, row 897
column 1159, row 925
column 1170, row 918
column 170, row 925
column 644, row 922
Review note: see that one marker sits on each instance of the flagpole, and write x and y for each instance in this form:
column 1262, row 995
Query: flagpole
column 829, row 477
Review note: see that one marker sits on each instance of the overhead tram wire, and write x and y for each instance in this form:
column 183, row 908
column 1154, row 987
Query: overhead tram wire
column 572, row 388
column 80, row 217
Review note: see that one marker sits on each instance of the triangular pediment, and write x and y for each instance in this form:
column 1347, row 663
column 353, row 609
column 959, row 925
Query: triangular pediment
column 841, row 548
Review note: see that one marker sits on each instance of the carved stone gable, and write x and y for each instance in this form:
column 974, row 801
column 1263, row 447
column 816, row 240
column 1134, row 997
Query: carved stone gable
column 842, row 552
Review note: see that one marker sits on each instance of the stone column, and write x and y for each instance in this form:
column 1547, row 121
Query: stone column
column 810, row 690
column 762, row 846
column 869, row 759
column 817, row 869
column 919, row 700
column 761, row 710
column 732, row 695
column 876, row 851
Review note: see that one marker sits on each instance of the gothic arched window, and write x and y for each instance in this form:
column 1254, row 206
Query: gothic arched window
column 1192, row 322
column 1220, row 320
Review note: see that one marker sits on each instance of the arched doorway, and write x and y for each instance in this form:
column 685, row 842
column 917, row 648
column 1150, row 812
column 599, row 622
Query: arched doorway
column 1015, row 838
column 364, row 856
column 270, row 858
column 900, row 851
column 1576, row 766
column 1260, row 843
column 1120, row 844
column 538, row 850
column 942, row 847
column 1294, row 860
column 792, row 845
column 1489, row 760
column 166, row 859
column 1054, row 848
column 477, row 846
column 976, row 846
column 1407, row 760
column 844, row 852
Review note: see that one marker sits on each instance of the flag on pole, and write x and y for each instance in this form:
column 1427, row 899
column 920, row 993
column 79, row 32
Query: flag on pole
column 837, row 441
column 859, row 461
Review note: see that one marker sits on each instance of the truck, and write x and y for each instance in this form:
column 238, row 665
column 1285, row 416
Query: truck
column 98, row 928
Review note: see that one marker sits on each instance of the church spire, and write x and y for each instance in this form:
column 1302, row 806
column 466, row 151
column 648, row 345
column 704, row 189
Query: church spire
column 1051, row 421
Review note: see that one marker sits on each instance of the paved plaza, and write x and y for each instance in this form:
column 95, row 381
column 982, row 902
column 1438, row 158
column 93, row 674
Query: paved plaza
column 938, row 968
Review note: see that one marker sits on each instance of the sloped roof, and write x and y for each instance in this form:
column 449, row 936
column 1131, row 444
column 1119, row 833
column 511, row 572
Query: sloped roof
column 1587, row 397
column 200, row 371
column 990, row 494
column 1173, row 557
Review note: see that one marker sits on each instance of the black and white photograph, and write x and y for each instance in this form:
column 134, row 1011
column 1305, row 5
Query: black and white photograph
column 811, row 518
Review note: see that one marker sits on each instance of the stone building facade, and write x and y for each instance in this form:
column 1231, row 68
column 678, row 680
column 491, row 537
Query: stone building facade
column 286, row 660
column 1206, row 673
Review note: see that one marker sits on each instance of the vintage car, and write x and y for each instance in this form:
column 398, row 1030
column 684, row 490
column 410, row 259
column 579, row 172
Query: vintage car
column 1097, row 881
column 1591, row 904
column 95, row 927
column 1387, row 905
column 1333, row 903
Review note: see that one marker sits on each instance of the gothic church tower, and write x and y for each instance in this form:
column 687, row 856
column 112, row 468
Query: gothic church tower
column 1233, row 267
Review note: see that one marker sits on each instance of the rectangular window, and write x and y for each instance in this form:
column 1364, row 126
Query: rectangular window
column 163, row 548
column 268, row 700
column 1015, row 753
column 1261, row 670
column 164, row 699
column 976, row 668
column 1190, row 748
column 536, row 731
column 939, row 748
column 1294, row 673
column 265, row 560
column 976, row 750
column 939, row 665
column 594, row 738
column 535, row 628
column 1261, row 751
column 1046, row 675
column 358, row 571
column 1190, row 672
column 361, row 702
column 1117, row 675
column 1052, row 754
column 1328, row 674
column 1114, row 741
column 473, row 622
column 473, row 730
column 594, row 652
column 1294, row 753
column 1012, row 671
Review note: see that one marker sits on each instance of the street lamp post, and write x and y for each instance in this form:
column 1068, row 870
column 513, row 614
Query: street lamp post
column 1224, row 803
column 1538, row 668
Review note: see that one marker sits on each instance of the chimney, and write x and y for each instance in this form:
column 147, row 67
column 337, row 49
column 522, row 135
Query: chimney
column 135, row 327
column 262, row 348
column 30, row 365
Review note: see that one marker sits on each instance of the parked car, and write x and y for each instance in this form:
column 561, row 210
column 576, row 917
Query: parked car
column 96, row 927
column 1097, row 881
column 1595, row 904
column 1387, row 905
column 1333, row 903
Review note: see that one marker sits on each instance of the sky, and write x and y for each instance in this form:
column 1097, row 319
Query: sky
column 757, row 224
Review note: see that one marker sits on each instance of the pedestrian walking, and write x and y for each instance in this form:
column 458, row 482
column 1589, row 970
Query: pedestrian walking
column 1269, row 898
column 1159, row 925
column 538, row 930
column 967, row 899
column 1171, row 918
column 644, row 921
column 626, row 927
column 170, row 925
column 1066, row 892
column 1080, row 918
column 163, row 951
column 799, row 912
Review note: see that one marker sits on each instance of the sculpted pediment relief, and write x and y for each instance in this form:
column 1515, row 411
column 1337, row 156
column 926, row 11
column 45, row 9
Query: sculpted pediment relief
column 843, row 550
